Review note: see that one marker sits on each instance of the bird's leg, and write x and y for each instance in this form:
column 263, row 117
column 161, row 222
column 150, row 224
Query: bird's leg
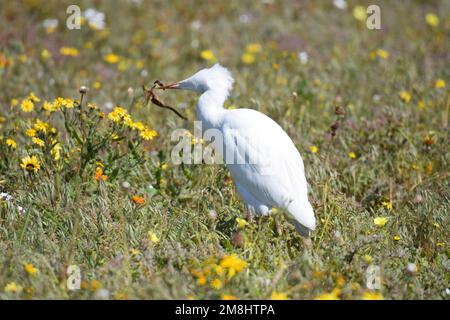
column 307, row 242
column 250, row 214
column 276, row 226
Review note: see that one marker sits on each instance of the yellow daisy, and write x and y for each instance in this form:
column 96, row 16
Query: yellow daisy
column 11, row 143
column 30, row 163
column 27, row 105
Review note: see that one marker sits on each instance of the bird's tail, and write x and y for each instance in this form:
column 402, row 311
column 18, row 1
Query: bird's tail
column 303, row 217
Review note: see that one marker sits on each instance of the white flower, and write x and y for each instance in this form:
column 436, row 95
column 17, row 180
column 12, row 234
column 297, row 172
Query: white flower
column 50, row 23
column 130, row 91
column 303, row 57
column 95, row 18
column 245, row 18
column 212, row 214
column 411, row 268
column 6, row 196
column 144, row 73
column 108, row 105
column 21, row 210
column 125, row 184
column 194, row 43
column 196, row 25
column 101, row 294
column 340, row 4
column 137, row 3
column 376, row 97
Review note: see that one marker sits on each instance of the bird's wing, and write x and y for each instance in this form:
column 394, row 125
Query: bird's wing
column 270, row 166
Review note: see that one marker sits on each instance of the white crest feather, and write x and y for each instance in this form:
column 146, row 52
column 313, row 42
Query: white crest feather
column 219, row 77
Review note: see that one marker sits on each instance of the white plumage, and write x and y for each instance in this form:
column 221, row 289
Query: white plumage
column 265, row 165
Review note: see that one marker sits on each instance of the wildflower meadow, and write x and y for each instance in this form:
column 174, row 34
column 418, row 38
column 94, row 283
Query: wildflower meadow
column 93, row 207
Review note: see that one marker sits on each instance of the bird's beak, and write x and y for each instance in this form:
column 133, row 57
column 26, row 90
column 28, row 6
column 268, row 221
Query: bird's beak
column 175, row 85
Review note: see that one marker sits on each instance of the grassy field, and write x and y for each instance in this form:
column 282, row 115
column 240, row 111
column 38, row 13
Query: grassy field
column 86, row 183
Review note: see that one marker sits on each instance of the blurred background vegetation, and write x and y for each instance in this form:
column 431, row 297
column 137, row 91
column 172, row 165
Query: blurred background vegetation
column 293, row 60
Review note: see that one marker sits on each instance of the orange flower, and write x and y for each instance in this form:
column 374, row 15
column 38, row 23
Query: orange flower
column 99, row 174
column 138, row 200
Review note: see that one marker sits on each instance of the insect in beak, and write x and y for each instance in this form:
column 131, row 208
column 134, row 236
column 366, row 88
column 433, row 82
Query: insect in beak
column 162, row 86
column 151, row 96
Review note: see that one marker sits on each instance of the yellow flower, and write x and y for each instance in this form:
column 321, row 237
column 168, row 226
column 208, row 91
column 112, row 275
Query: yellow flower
column 153, row 237
column 11, row 143
column 68, row 51
column 201, row 281
column 148, row 134
column 360, row 13
column 137, row 126
column 47, row 106
column 33, row 97
column 233, row 263
column 14, row 102
column 30, row 132
column 41, row 126
column 396, row 238
column 421, row 105
column 380, row 221
column 27, row 105
column 99, row 175
column 405, row 96
column 114, row 116
column 111, row 58
column 38, row 141
column 440, row 244
column 372, row 296
column 278, row 296
column 313, row 149
column 207, row 55
column 30, row 163
column 140, row 64
column 387, row 205
column 432, row 20
column 241, row 222
column 92, row 106
column 216, row 284
column 440, row 83
column 368, row 258
column 45, row 54
column 219, row 270
column 248, row 58
column 135, row 252
column 68, row 103
column 95, row 285
column 333, row 295
column 119, row 114
column 56, row 151
column 253, row 48
column 30, row 269
column 97, row 85
column 383, row 54
column 228, row 297
column 12, row 287
column 340, row 281
column 352, row 155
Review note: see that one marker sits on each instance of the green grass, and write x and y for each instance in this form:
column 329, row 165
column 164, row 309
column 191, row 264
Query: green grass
column 401, row 150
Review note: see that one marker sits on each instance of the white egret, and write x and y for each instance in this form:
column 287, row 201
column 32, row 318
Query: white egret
column 284, row 185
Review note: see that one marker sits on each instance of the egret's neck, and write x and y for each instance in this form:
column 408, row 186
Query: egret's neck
column 210, row 108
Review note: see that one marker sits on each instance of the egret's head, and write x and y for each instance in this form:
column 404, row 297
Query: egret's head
column 216, row 78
